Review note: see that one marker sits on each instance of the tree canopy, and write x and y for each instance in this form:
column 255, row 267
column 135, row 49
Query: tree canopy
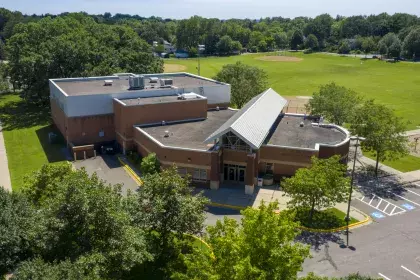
column 336, row 103
column 246, row 81
column 259, row 247
column 384, row 132
column 321, row 185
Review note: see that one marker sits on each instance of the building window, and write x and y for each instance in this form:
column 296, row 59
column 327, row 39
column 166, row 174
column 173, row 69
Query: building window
column 269, row 168
column 182, row 171
column 101, row 133
column 199, row 175
column 233, row 142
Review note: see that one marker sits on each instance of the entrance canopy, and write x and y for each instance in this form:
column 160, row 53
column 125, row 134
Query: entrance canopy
column 253, row 122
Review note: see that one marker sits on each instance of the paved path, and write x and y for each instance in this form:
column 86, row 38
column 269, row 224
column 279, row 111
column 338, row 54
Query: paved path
column 4, row 168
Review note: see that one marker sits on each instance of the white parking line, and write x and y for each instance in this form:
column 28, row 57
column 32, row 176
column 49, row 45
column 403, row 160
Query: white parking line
column 383, row 276
column 395, row 208
column 418, row 276
column 415, row 203
column 413, row 192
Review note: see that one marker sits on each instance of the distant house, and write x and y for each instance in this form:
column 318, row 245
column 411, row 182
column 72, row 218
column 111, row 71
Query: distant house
column 181, row 54
column 168, row 47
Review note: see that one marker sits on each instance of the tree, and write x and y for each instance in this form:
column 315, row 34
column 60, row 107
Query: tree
column 368, row 45
column 321, row 185
column 168, row 209
column 20, row 228
column 334, row 102
column 150, row 164
column 356, row 276
column 281, row 40
column 384, row 132
column 86, row 221
column 390, row 45
column 246, row 81
column 44, row 184
column 225, row 45
column 4, row 83
column 236, row 46
column 260, row 247
column 411, row 45
column 296, row 40
column 311, row 42
column 344, row 47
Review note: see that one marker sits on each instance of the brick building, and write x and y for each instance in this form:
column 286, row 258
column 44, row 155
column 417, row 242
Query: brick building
column 185, row 119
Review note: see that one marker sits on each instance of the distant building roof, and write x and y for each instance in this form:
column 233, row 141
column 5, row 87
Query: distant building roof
column 253, row 122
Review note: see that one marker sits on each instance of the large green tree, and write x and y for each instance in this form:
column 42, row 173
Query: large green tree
column 319, row 186
column 281, row 40
column 20, row 230
column 411, row 45
column 246, row 81
column 311, row 42
column 384, row 132
column 168, row 210
column 261, row 246
column 336, row 103
column 390, row 45
column 296, row 40
column 73, row 46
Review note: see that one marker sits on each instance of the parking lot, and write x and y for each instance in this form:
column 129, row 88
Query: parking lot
column 389, row 203
column 108, row 168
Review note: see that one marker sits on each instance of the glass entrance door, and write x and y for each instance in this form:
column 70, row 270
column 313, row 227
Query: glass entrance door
column 232, row 174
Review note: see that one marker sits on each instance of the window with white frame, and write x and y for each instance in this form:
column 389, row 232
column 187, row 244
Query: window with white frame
column 199, row 175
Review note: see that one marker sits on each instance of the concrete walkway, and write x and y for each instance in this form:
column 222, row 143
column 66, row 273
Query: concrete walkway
column 4, row 167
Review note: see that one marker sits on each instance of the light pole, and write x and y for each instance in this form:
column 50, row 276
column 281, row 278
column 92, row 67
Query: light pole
column 357, row 138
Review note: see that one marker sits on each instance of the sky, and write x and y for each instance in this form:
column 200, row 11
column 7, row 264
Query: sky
column 223, row 9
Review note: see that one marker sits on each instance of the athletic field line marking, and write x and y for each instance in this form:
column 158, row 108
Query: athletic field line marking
column 413, row 192
column 415, row 203
column 418, row 276
column 383, row 276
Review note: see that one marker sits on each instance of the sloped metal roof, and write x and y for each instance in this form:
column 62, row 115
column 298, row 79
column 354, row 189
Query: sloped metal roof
column 253, row 122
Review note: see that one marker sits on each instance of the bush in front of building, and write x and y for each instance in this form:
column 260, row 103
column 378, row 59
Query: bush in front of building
column 150, row 165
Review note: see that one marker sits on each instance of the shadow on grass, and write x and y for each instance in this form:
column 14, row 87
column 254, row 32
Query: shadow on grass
column 54, row 151
column 20, row 114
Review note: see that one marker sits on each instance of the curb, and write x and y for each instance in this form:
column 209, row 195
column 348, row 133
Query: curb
column 221, row 205
column 204, row 242
column 365, row 221
column 130, row 172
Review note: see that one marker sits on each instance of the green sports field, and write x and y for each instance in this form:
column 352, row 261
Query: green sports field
column 394, row 84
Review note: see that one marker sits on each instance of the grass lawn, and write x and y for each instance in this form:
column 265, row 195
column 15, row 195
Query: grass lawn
column 326, row 219
column 393, row 84
column 25, row 131
column 404, row 164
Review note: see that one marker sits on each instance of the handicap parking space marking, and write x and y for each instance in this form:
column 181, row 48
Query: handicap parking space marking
column 413, row 192
column 392, row 208
column 415, row 203
column 377, row 215
column 383, row 276
column 408, row 206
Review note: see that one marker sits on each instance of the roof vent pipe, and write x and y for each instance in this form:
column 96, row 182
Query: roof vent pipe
column 217, row 108
column 166, row 133
column 301, row 124
column 163, row 123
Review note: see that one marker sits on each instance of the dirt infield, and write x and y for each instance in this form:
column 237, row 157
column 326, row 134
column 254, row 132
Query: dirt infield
column 279, row 58
column 169, row 68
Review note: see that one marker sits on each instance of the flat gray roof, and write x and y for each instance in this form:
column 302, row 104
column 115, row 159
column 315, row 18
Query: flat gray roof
column 154, row 100
column 289, row 133
column 190, row 134
column 120, row 84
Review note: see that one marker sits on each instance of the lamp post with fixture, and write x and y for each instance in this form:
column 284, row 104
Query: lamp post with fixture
column 357, row 138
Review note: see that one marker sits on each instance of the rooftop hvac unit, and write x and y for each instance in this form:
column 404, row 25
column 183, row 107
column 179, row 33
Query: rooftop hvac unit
column 166, row 82
column 108, row 82
column 136, row 82
column 153, row 80
column 187, row 96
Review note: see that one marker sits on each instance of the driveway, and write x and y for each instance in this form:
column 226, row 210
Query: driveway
column 108, row 168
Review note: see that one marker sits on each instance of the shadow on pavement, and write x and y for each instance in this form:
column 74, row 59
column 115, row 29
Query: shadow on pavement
column 111, row 161
column 317, row 239
column 222, row 211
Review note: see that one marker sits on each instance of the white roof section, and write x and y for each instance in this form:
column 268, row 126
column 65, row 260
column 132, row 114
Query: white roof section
column 253, row 122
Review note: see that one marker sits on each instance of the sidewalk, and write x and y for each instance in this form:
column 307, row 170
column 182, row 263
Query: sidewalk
column 4, row 168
